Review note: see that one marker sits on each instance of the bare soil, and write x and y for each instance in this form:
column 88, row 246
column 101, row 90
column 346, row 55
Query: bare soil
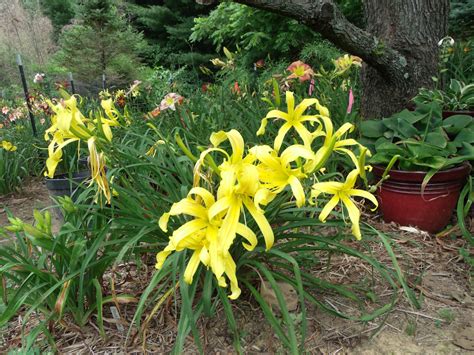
column 21, row 204
column 441, row 279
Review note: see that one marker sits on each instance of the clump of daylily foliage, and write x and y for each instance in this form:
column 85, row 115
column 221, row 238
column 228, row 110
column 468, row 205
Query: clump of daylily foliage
column 244, row 181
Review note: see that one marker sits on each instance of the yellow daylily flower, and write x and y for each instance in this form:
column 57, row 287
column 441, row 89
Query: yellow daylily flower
column 67, row 125
column 342, row 64
column 152, row 151
column 294, row 118
column 239, row 187
column 8, row 146
column 201, row 234
column 359, row 162
column 332, row 142
column 55, row 152
column 110, row 110
column 68, row 119
column 276, row 172
column 343, row 192
column 98, row 173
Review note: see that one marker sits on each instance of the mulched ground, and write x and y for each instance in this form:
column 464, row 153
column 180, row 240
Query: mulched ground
column 434, row 269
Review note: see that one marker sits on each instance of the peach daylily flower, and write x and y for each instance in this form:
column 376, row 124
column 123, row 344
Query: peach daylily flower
column 300, row 71
column 155, row 112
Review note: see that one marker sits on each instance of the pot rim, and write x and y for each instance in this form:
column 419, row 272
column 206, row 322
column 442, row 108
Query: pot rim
column 459, row 172
column 459, row 112
column 65, row 176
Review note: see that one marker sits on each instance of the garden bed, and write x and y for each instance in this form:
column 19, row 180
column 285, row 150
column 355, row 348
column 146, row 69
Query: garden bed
column 433, row 268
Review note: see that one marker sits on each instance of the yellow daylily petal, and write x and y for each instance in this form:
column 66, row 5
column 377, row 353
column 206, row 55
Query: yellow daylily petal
column 220, row 206
column 206, row 196
column 352, row 156
column 248, row 235
column 351, row 179
column 343, row 129
column 263, row 197
column 277, row 114
column 262, row 223
column 328, row 208
column 365, row 194
column 329, row 187
column 261, row 129
column 162, row 255
column 297, row 190
column 281, row 135
column 163, row 222
column 190, row 207
column 294, row 152
column 230, row 270
column 303, row 106
column 204, row 256
column 235, row 139
column 107, row 131
column 186, row 230
column 304, row 134
column 354, row 216
column 346, row 142
column 229, row 225
column 290, row 103
column 193, row 264
column 322, row 109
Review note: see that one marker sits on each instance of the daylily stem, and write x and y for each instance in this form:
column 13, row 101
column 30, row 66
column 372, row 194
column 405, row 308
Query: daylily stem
column 184, row 148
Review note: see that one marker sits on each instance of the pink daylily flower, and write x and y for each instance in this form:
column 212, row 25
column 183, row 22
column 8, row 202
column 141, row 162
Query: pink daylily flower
column 170, row 101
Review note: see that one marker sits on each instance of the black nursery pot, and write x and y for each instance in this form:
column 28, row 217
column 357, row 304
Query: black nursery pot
column 62, row 185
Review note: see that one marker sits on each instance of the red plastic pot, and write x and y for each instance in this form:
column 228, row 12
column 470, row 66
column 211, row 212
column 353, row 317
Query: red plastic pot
column 402, row 201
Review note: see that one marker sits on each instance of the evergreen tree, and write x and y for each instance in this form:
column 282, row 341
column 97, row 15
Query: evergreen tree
column 60, row 12
column 167, row 26
column 102, row 42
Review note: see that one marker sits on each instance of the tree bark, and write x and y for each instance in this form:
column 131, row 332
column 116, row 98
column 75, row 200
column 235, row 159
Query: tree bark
column 399, row 47
column 414, row 29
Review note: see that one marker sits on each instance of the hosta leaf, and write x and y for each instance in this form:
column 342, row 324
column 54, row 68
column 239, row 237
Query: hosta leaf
column 467, row 149
column 465, row 136
column 389, row 147
column 382, row 158
column 451, row 148
column 410, row 116
column 457, row 122
column 436, row 139
column 400, row 127
column 455, row 86
column 424, row 150
column 372, row 128
column 431, row 162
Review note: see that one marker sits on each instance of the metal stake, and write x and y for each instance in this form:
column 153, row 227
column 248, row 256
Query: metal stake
column 25, row 90
column 71, row 80
column 103, row 81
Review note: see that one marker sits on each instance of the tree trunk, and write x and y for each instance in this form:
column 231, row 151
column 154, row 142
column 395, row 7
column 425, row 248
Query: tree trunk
column 399, row 46
column 413, row 28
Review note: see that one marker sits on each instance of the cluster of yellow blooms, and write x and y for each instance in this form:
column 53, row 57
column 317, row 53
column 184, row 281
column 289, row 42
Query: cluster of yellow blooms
column 8, row 146
column 69, row 125
column 248, row 181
